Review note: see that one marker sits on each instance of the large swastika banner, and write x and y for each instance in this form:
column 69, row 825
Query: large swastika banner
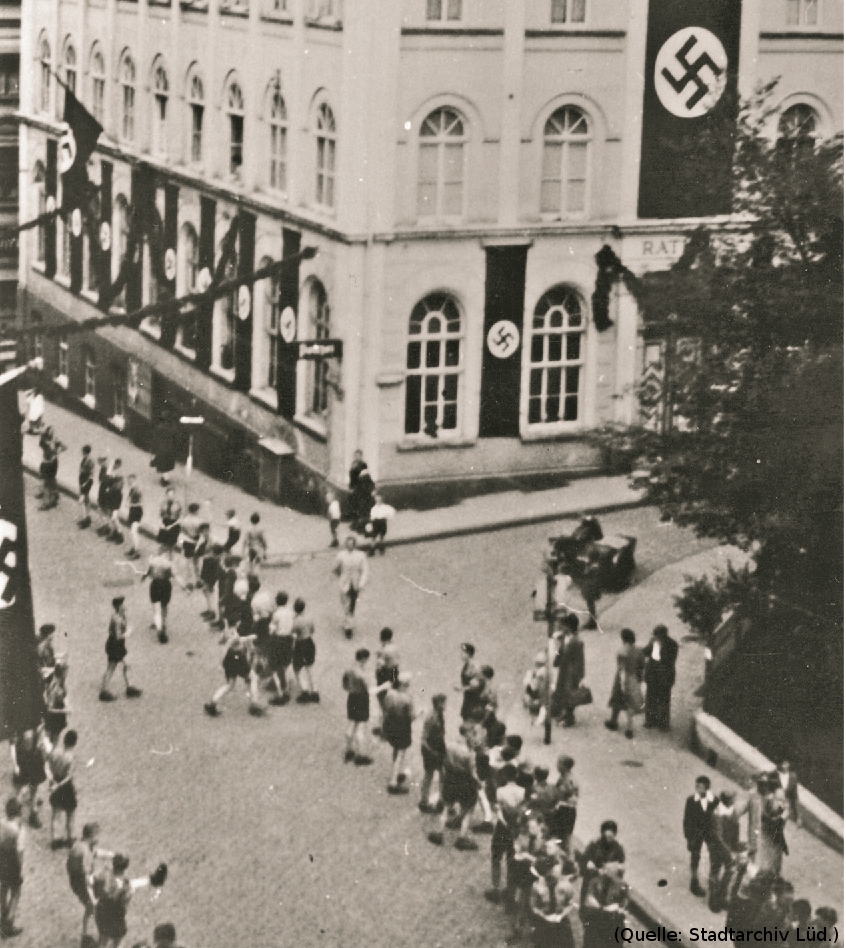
column 689, row 105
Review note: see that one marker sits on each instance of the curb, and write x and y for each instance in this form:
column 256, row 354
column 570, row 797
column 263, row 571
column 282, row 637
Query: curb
column 443, row 534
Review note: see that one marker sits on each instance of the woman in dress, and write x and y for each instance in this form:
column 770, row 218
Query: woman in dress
column 627, row 693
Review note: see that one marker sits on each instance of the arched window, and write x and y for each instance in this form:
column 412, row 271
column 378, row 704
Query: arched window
column 440, row 165
column 314, row 324
column 566, row 154
column 235, row 111
column 161, row 92
column 70, row 74
column 433, row 367
column 186, row 282
column 325, row 137
column 798, row 131
column 196, row 102
column 46, row 67
column 556, row 356
column 127, row 85
column 98, row 85
column 278, row 143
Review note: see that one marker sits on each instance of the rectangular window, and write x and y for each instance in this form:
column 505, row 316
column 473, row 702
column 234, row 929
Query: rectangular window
column 277, row 157
column 439, row 11
column 9, row 174
column 551, row 178
column 118, row 392
column 64, row 263
column 272, row 330
column 98, row 94
column 64, row 358
column 326, row 172
column 196, row 133
column 160, row 125
column 568, row 11
column 90, row 380
column 802, row 12
column 128, row 113
column 236, row 143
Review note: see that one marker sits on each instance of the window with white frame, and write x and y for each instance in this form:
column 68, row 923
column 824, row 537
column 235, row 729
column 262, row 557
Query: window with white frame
column 227, row 310
column 127, row 85
column 98, row 85
column 64, row 360
column 440, row 165
column 90, row 377
column 325, row 139
column 566, row 163
column 196, row 103
column 443, row 11
column 798, row 131
column 70, row 76
column 186, row 334
column 314, row 324
column 235, row 112
column 556, row 358
column 278, row 143
column 434, row 368
column 46, row 69
column 568, row 11
column 803, row 12
column 161, row 93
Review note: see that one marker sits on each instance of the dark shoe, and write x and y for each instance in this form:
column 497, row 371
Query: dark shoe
column 211, row 709
column 569, row 722
column 279, row 701
column 207, row 614
column 397, row 789
column 590, row 625
column 56, row 844
column 10, row 931
column 377, row 731
column 218, row 625
column 486, row 827
column 493, row 895
column 611, row 725
column 426, row 807
column 629, row 734
column 106, row 696
column 256, row 710
column 348, row 756
column 34, row 821
column 454, row 822
column 465, row 844
column 133, row 692
column 302, row 698
column 362, row 760
column 436, row 837
column 334, row 543
column 163, row 637
column 103, row 531
column 84, row 523
column 439, row 807
column 696, row 889
column 314, row 697
column 348, row 633
column 133, row 555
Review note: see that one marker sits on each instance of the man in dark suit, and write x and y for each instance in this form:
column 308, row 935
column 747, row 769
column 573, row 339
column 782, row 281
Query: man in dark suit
column 660, row 676
column 790, row 784
column 698, row 827
column 570, row 662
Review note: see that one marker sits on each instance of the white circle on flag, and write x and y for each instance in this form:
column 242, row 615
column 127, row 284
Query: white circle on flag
column 76, row 222
column 204, row 280
column 244, row 302
column 67, row 151
column 503, row 339
column 170, row 263
column 105, row 236
column 50, row 204
column 8, row 562
column 690, row 72
column 288, row 324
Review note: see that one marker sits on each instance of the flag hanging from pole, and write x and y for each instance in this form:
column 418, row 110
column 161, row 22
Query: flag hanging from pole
column 21, row 696
column 75, row 148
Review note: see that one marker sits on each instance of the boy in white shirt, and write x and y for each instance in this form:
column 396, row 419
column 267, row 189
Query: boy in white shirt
column 380, row 514
column 333, row 515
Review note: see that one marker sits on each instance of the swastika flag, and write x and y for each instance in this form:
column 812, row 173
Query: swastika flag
column 75, row 148
column 689, row 108
column 21, row 698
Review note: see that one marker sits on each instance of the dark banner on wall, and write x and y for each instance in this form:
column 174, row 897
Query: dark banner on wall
column 51, row 190
column 289, row 288
column 244, row 325
column 208, row 211
column 689, row 107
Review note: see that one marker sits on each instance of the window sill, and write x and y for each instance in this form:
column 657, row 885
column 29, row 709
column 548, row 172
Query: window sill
column 39, row 266
column 434, row 444
column 151, row 332
column 62, row 280
column 552, row 432
column 241, row 12
column 272, row 17
column 90, row 295
column 118, row 421
column 312, row 425
column 61, row 380
column 190, row 354
column 89, row 400
column 325, row 23
column 267, row 396
column 227, row 375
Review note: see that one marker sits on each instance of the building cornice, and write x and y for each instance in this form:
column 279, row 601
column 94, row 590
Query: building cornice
column 799, row 35
column 450, row 31
column 576, row 34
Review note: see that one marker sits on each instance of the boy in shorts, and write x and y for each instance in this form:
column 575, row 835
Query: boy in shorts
column 210, row 575
column 397, row 719
column 190, row 527
column 304, row 653
column 433, row 751
column 238, row 662
column 355, row 682
column 160, row 573
column 86, row 482
column 281, row 648
column 255, row 543
column 233, row 531
column 115, row 500
column 459, row 789
column 135, row 515
column 116, row 652
column 80, row 866
column 62, row 790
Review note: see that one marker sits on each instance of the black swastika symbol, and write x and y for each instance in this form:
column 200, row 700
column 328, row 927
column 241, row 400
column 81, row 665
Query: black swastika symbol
column 503, row 338
column 8, row 571
column 691, row 73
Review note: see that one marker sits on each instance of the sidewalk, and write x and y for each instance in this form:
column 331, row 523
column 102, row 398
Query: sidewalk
column 643, row 783
column 291, row 534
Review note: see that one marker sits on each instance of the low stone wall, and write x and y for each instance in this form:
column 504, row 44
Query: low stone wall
column 721, row 748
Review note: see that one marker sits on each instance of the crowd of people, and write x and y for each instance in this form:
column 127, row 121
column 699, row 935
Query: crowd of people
column 479, row 781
